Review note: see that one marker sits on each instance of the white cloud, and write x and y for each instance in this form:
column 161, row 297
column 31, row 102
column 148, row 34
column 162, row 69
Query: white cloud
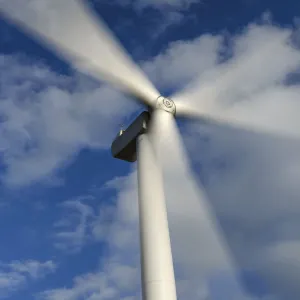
column 257, row 204
column 17, row 274
column 251, row 87
column 183, row 60
column 114, row 283
column 33, row 268
column 88, row 286
column 47, row 119
column 72, row 231
column 118, row 276
column 283, row 256
column 83, row 222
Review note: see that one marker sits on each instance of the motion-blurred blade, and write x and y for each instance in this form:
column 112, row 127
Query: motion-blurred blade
column 198, row 245
column 204, row 103
column 73, row 31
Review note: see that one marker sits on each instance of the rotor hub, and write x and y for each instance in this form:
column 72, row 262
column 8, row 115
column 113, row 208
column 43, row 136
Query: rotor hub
column 166, row 104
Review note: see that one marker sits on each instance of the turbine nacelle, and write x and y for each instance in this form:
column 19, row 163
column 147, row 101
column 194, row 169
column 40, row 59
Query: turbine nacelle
column 124, row 145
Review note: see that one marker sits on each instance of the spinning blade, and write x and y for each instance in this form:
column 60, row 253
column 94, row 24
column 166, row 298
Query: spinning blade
column 206, row 103
column 199, row 246
column 76, row 34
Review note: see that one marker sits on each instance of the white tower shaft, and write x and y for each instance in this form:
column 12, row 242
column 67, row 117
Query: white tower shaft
column 158, row 280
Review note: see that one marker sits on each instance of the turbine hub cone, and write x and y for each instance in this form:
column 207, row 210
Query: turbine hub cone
column 166, row 104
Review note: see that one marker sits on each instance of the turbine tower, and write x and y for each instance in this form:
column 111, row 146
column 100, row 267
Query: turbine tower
column 136, row 143
column 76, row 34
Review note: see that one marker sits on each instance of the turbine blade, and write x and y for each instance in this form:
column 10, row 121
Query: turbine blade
column 205, row 103
column 73, row 31
column 198, row 242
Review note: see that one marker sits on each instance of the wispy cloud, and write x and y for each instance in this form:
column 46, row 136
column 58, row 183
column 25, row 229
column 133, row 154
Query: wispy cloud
column 84, row 222
column 47, row 118
column 18, row 274
column 182, row 61
column 72, row 231
column 114, row 283
column 118, row 275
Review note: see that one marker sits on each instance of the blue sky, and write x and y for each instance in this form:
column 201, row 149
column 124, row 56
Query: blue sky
column 68, row 215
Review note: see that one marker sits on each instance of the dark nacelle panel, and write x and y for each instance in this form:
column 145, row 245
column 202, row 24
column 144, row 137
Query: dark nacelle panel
column 124, row 146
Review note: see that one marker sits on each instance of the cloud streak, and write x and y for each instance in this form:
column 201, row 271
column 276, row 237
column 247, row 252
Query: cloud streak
column 47, row 119
column 18, row 274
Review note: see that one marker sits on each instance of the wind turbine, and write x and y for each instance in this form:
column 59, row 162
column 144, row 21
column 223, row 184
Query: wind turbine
column 72, row 30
